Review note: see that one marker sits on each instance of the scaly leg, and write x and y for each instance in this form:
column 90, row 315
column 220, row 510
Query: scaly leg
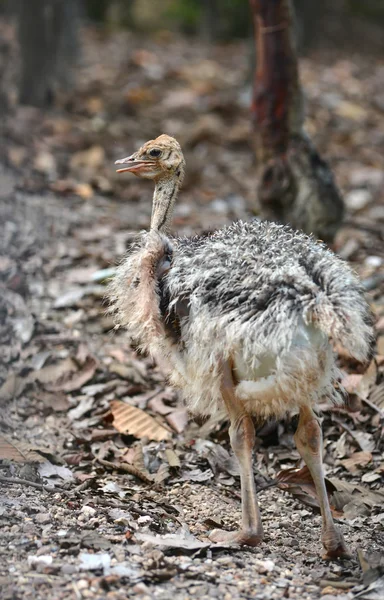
column 242, row 436
column 308, row 439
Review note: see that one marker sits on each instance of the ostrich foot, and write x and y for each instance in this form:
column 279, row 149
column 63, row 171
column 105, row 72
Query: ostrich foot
column 335, row 546
column 235, row 538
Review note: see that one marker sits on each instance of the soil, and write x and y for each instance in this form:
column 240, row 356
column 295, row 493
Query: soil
column 74, row 524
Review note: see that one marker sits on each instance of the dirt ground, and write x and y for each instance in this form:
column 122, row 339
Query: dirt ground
column 86, row 510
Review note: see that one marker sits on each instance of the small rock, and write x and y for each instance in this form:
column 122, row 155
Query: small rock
column 143, row 520
column 264, row 566
column 225, row 560
column 140, row 588
column 367, row 176
column 358, row 199
column 42, row 518
column 88, row 511
column 219, row 206
column 93, row 562
column 45, row 163
column 43, row 559
column 373, row 261
column 82, row 584
column 68, row 569
column 329, row 590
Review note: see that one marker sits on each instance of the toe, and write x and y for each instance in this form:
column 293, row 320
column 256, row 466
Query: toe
column 340, row 552
column 241, row 538
column 335, row 546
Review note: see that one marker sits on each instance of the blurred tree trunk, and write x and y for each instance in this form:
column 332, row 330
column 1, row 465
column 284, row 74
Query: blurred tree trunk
column 308, row 23
column 295, row 185
column 209, row 20
column 48, row 38
column 97, row 10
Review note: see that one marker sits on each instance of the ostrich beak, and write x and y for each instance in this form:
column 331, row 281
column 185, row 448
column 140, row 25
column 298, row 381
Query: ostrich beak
column 131, row 163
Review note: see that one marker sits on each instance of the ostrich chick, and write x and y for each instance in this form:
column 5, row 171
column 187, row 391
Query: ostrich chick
column 246, row 317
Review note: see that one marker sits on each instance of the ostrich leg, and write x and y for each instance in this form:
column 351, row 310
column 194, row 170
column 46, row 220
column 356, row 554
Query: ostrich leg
column 308, row 440
column 242, row 436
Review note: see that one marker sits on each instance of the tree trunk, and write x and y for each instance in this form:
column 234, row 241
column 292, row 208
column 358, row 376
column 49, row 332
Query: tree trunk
column 295, row 185
column 48, row 45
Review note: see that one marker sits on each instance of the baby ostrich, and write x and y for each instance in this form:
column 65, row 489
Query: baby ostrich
column 245, row 317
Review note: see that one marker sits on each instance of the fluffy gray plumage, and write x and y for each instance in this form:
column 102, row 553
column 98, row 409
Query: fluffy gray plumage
column 259, row 294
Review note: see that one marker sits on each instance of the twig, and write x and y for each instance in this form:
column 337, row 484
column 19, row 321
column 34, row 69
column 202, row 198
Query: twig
column 372, row 405
column 83, row 486
column 38, row 486
column 348, row 430
column 128, row 469
column 341, row 585
column 267, row 485
column 133, row 508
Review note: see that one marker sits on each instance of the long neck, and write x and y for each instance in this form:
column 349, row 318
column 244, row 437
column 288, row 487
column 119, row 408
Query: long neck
column 164, row 198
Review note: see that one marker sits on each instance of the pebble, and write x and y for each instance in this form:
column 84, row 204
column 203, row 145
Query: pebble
column 43, row 559
column 219, row 206
column 82, row 584
column 88, row 511
column 264, row 566
column 144, row 519
column 358, row 199
column 373, row 261
column 42, row 518
column 68, row 569
column 225, row 560
column 141, row 588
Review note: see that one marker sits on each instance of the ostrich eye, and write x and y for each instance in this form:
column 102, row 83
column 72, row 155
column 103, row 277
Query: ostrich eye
column 155, row 153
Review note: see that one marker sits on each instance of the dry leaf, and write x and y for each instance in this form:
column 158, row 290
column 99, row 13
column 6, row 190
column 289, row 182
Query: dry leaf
column 17, row 451
column 162, row 473
column 341, row 447
column 12, row 387
column 218, row 457
column 158, row 405
column 81, row 409
column 380, row 344
column 358, row 459
column 377, row 396
column 299, row 483
column 64, row 376
column 361, row 384
column 196, row 475
column 365, row 440
column 128, row 372
column 172, row 458
column 72, row 298
column 178, row 420
column 370, row 477
column 348, row 492
column 56, row 401
column 47, row 470
column 132, row 420
column 351, row 382
column 75, row 378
